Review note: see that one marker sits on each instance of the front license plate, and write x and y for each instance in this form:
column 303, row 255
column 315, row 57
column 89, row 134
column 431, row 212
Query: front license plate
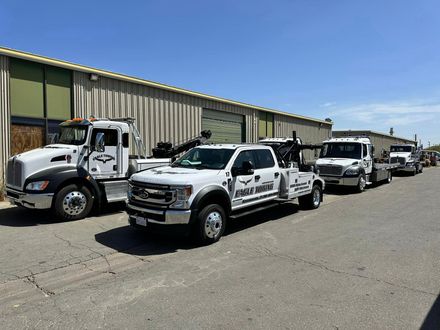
column 141, row 221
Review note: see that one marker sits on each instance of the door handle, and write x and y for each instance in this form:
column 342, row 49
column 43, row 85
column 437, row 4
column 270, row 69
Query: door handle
column 277, row 174
column 257, row 177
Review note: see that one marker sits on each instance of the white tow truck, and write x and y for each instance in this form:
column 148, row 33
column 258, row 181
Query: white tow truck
column 210, row 184
column 408, row 157
column 88, row 166
column 349, row 161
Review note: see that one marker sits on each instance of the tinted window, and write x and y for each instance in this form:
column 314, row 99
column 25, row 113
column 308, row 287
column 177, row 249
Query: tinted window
column 111, row 136
column 125, row 140
column 264, row 159
column 364, row 150
column 341, row 150
column 248, row 155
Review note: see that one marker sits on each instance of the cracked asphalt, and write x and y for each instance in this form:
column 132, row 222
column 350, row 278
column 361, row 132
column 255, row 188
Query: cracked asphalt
column 361, row 261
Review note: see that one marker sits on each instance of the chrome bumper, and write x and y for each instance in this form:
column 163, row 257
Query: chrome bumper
column 168, row 217
column 30, row 201
column 342, row 181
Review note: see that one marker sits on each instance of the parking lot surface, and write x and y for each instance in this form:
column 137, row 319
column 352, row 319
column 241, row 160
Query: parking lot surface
column 368, row 261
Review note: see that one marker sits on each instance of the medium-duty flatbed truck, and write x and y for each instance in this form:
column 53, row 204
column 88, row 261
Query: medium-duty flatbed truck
column 88, row 166
column 211, row 184
column 349, row 161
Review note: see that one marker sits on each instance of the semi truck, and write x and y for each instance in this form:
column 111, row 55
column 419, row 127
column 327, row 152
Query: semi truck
column 349, row 161
column 408, row 158
column 211, row 184
column 88, row 166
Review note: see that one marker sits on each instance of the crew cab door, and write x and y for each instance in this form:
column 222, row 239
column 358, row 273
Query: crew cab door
column 259, row 186
column 103, row 160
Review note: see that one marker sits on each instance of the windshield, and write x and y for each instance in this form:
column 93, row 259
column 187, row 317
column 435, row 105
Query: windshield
column 401, row 148
column 205, row 158
column 73, row 135
column 341, row 150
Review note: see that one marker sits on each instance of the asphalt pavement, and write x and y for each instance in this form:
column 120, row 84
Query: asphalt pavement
column 361, row 261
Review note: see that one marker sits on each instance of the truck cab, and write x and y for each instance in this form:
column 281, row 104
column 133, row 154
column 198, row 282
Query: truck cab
column 213, row 183
column 407, row 156
column 347, row 161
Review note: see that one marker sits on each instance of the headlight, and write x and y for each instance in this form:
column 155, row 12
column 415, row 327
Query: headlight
column 37, row 185
column 352, row 170
column 183, row 193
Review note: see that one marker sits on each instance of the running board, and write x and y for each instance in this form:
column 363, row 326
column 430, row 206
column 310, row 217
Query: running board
column 247, row 212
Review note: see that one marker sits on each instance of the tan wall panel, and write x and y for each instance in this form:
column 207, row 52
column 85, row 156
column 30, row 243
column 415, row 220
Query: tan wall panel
column 5, row 115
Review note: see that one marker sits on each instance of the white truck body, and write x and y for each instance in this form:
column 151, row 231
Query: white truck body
column 231, row 178
column 407, row 156
column 349, row 161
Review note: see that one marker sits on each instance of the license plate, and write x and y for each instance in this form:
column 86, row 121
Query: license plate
column 141, row 221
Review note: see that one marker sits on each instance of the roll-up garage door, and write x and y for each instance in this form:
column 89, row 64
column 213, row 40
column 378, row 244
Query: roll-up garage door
column 225, row 127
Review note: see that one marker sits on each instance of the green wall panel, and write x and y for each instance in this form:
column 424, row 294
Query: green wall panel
column 26, row 83
column 58, row 93
column 225, row 127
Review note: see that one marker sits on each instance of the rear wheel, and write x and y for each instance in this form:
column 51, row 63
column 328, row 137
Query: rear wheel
column 389, row 177
column 312, row 200
column 211, row 224
column 73, row 202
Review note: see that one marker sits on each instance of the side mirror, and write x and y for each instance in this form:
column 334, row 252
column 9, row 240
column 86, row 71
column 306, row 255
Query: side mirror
column 100, row 142
column 247, row 168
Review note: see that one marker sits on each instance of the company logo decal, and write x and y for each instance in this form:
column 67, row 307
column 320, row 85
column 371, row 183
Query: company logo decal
column 103, row 158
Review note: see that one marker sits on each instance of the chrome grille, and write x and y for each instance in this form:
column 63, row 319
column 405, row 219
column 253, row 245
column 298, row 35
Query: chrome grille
column 330, row 169
column 152, row 194
column 14, row 173
column 400, row 160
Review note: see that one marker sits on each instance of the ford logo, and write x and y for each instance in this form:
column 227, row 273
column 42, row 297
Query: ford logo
column 143, row 194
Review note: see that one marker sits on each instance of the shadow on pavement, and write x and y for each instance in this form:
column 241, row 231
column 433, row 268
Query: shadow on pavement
column 21, row 217
column 432, row 320
column 338, row 190
column 143, row 243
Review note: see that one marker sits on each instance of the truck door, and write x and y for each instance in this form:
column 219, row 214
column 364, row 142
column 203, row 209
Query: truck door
column 262, row 185
column 367, row 158
column 104, row 162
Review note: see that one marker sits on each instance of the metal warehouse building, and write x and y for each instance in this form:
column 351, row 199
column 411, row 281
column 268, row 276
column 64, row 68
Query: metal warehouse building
column 37, row 93
column 381, row 141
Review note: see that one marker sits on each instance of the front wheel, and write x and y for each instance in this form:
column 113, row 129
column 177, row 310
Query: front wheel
column 362, row 182
column 389, row 177
column 312, row 200
column 73, row 202
column 211, row 224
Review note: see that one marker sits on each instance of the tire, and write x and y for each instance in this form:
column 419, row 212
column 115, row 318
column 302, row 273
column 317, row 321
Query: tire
column 362, row 182
column 313, row 200
column 389, row 177
column 413, row 173
column 210, row 224
column 73, row 202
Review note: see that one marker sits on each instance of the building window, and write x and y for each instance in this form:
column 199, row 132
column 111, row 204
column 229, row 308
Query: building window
column 265, row 125
column 40, row 100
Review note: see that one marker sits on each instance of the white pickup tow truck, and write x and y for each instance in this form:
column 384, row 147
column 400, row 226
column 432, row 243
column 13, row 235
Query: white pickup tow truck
column 210, row 184
column 408, row 157
column 88, row 166
column 349, row 161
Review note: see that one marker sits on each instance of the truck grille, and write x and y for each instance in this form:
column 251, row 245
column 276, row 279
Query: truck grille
column 157, row 195
column 330, row 169
column 14, row 173
column 400, row 160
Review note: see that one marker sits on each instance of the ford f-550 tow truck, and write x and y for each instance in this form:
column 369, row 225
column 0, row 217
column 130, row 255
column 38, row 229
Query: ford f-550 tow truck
column 89, row 165
column 349, row 161
column 210, row 184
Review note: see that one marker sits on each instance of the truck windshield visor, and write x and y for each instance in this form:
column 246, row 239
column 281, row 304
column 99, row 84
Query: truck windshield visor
column 214, row 159
column 341, row 150
column 401, row 149
column 75, row 135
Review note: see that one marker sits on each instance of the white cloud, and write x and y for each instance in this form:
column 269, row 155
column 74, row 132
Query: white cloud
column 328, row 104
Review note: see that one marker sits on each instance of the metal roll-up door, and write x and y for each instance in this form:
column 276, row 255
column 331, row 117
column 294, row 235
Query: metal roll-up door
column 225, row 127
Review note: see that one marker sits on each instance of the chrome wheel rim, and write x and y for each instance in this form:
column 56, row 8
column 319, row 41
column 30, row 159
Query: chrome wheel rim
column 213, row 224
column 362, row 183
column 74, row 203
column 316, row 197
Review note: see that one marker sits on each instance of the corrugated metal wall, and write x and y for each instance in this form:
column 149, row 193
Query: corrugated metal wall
column 310, row 132
column 5, row 132
column 160, row 115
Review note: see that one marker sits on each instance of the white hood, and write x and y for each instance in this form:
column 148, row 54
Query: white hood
column 174, row 175
column 344, row 162
column 405, row 155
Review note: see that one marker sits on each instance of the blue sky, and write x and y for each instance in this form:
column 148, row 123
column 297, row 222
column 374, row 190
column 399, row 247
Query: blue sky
column 366, row 64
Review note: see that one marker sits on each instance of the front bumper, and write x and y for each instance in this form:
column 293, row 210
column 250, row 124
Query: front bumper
column 341, row 181
column 30, row 201
column 160, row 217
column 407, row 168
